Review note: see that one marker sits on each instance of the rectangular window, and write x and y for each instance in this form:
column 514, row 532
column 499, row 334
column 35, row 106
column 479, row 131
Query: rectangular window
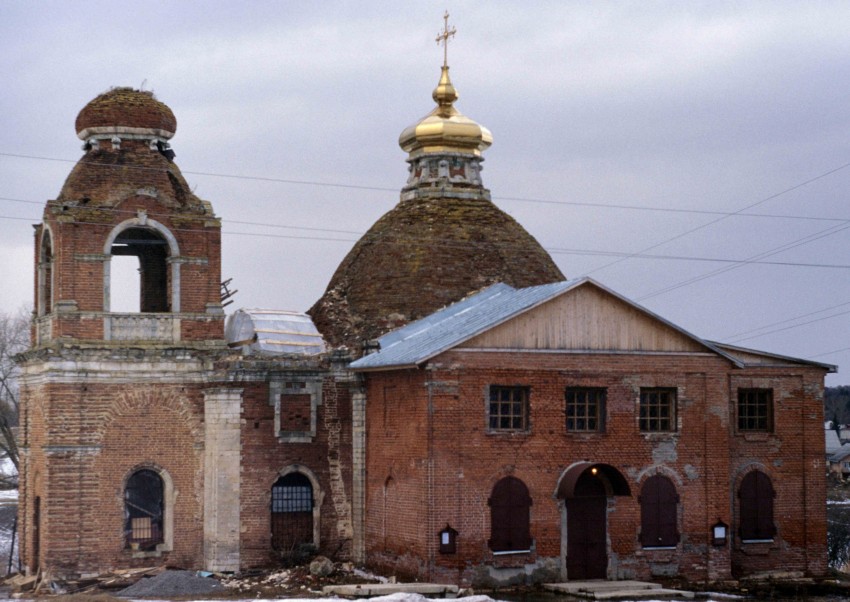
column 585, row 410
column 508, row 408
column 755, row 410
column 657, row 410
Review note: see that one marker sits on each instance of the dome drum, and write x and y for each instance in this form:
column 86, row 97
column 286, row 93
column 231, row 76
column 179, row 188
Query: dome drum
column 457, row 169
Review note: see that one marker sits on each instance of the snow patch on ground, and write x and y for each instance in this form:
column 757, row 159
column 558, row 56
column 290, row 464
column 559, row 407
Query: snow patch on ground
column 389, row 598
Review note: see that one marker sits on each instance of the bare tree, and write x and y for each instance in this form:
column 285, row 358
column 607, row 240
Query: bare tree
column 14, row 338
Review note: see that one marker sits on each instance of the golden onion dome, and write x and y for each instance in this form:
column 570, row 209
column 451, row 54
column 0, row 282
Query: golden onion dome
column 445, row 129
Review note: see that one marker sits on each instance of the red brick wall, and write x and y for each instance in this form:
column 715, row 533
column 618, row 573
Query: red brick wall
column 397, row 441
column 80, row 232
column 264, row 456
column 84, row 440
column 701, row 458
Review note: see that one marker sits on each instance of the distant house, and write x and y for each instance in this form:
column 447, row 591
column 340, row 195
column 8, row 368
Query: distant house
column 833, row 443
column 839, row 462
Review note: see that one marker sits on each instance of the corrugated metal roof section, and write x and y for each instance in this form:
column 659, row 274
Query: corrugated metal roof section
column 272, row 331
column 760, row 358
column 417, row 342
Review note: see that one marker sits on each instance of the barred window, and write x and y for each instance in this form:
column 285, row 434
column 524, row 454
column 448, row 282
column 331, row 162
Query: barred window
column 292, row 512
column 144, row 510
column 755, row 410
column 657, row 410
column 292, row 493
column 585, row 409
column 508, row 408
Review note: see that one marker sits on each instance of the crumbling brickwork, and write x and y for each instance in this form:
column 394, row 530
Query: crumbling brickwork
column 426, row 253
column 106, row 395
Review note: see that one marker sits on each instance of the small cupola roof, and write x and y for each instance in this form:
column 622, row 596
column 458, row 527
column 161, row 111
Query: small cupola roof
column 126, row 111
column 445, row 129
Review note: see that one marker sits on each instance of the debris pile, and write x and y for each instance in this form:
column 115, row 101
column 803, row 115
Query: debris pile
column 298, row 581
column 161, row 583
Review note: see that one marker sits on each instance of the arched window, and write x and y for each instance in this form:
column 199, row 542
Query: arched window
column 151, row 252
column 756, row 507
column 658, row 513
column 292, row 512
column 144, row 510
column 45, row 274
column 510, row 514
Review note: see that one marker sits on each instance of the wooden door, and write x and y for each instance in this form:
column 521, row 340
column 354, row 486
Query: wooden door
column 587, row 547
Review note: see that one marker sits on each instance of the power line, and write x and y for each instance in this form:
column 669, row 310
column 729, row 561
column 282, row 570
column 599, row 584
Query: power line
column 755, row 336
column 776, row 250
column 830, row 352
column 732, row 337
column 463, row 244
column 619, row 206
column 719, row 219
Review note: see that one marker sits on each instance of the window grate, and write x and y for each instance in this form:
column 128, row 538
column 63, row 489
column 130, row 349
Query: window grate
column 292, row 512
column 755, row 410
column 585, row 409
column 508, row 408
column 657, row 410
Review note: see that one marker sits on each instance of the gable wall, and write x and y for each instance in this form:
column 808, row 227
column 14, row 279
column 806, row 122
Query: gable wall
column 585, row 318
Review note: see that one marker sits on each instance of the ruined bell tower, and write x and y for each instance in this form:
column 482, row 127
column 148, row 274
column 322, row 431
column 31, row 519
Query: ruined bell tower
column 112, row 404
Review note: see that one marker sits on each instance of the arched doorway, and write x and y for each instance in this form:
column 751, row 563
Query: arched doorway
column 292, row 513
column 585, row 488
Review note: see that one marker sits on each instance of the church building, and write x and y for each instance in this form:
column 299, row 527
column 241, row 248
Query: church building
column 452, row 408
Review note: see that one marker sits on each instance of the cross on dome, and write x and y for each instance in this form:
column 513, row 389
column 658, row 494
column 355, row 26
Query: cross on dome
column 443, row 38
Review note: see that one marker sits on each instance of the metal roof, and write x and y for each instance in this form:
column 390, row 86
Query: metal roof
column 419, row 341
column 272, row 331
column 734, row 350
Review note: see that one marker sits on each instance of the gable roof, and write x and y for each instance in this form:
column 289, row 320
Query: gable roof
column 832, row 442
column 753, row 357
column 424, row 339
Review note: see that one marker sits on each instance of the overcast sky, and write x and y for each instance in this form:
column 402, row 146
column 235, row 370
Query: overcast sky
column 684, row 131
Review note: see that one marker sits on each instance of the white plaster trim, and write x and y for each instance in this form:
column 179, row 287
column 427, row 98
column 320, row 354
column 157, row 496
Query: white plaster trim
column 107, row 131
column 222, row 479
column 130, row 370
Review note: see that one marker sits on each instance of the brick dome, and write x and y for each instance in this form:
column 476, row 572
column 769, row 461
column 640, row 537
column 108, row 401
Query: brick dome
column 421, row 256
column 126, row 135
column 125, row 110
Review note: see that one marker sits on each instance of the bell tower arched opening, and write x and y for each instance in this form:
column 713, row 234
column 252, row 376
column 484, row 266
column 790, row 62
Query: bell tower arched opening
column 151, row 251
column 154, row 248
